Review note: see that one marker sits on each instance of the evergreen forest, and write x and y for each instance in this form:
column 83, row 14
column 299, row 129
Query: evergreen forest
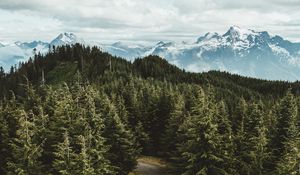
column 80, row 111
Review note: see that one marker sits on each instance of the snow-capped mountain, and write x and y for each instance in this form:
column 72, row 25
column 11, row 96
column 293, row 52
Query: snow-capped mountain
column 31, row 45
column 13, row 53
column 125, row 50
column 65, row 38
column 241, row 51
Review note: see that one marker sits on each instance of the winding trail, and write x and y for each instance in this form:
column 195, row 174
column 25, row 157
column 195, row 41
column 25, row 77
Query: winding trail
column 146, row 168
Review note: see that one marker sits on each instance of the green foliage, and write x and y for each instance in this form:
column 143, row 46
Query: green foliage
column 122, row 152
column 258, row 151
column 25, row 150
column 65, row 163
column 203, row 142
column 289, row 162
column 287, row 118
column 177, row 117
column 96, row 113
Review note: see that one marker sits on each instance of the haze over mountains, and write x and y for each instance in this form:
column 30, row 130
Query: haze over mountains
column 242, row 51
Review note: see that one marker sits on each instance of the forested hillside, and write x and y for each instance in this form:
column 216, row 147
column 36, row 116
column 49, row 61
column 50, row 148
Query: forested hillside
column 78, row 110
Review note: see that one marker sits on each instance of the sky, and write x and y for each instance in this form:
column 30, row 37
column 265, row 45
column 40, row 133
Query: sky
column 144, row 20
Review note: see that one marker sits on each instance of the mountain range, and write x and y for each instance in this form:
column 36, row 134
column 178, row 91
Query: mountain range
column 13, row 53
column 241, row 51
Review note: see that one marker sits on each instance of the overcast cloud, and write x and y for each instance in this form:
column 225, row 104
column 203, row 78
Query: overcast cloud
column 150, row 20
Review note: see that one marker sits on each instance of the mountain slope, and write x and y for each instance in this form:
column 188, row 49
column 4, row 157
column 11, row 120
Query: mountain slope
column 95, row 65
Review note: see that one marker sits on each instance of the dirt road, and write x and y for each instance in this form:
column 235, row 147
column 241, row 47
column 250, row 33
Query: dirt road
column 145, row 168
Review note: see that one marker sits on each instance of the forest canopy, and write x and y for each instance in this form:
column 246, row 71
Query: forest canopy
column 78, row 110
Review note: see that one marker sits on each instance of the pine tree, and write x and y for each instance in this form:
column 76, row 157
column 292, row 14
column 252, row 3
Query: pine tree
column 239, row 117
column 9, row 122
column 4, row 140
column 201, row 151
column 25, row 151
column 141, row 137
column 287, row 113
column 177, row 117
column 289, row 163
column 89, row 121
column 95, row 135
column 164, row 108
column 122, row 152
column 258, row 141
column 131, row 101
column 41, row 122
column 226, row 136
column 121, row 110
column 240, row 140
column 65, row 157
column 59, row 106
column 84, row 158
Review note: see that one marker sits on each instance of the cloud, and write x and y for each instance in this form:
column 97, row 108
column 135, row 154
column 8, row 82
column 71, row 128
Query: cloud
column 146, row 19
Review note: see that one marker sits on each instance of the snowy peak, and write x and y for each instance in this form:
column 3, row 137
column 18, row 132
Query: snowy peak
column 236, row 33
column 32, row 45
column 65, row 38
column 119, row 44
column 209, row 36
column 13, row 53
column 233, row 32
column 160, row 43
column 242, row 51
column 234, row 36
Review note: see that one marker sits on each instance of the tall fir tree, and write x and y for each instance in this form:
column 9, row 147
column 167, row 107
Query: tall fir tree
column 122, row 152
column 65, row 157
column 201, row 151
column 289, row 162
column 258, row 141
column 4, row 140
column 177, row 117
column 226, row 136
column 286, row 113
column 240, row 139
column 25, row 150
